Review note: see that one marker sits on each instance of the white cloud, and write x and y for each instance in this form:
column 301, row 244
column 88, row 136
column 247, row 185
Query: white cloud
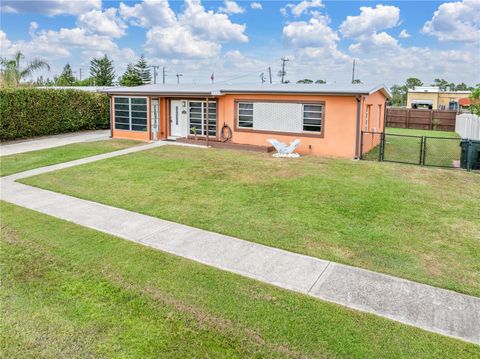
column 103, row 23
column 50, row 7
column 256, row 6
column 210, row 25
column 177, row 41
column 149, row 13
column 377, row 42
column 404, row 34
column 302, row 7
column 315, row 32
column 370, row 20
column 231, row 7
column 455, row 21
column 234, row 59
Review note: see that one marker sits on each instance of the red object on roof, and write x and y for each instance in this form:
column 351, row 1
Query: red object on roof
column 464, row 102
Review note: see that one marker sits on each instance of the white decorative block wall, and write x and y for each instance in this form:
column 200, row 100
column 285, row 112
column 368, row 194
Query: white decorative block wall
column 277, row 116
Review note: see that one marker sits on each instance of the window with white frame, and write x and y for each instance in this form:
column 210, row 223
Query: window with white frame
column 198, row 117
column 245, row 114
column 312, row 118
column 130, row 113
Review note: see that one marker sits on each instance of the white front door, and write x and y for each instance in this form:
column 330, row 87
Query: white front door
column 155, row 118
column 178, row 118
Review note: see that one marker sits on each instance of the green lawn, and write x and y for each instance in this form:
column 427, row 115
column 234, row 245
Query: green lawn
column 439, row 151
column 35, row 159
column 413, row 222
column 72, row 292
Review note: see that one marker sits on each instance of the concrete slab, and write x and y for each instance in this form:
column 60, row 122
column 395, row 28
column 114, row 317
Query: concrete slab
column 420, row 305
column 52, row 141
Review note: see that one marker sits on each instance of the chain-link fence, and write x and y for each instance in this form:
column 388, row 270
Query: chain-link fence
column 441, row 152
column 418, row 150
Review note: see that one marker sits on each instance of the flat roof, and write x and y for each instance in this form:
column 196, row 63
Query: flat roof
column 218, row 90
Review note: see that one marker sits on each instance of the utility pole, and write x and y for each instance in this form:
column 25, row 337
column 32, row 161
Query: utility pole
column 178, row 78
column 155, row 67
column 262, row 77
column 164, row 74
column 283, row 73
column 80, row 74
column 353, row 71
column 270, row 73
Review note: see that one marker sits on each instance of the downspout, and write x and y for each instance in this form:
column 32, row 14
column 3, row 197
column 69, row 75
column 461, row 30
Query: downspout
column 110, row 100
column 358, row 98
column 385, row 116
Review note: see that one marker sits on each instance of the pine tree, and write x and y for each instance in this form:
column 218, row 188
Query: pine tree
column 142, row 67
column 131, row 77
column 66, row 78
column 102, row 72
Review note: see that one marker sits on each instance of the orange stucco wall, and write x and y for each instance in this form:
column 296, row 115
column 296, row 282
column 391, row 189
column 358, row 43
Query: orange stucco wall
column 339, row 138
column 376, row 104
column 339, row 126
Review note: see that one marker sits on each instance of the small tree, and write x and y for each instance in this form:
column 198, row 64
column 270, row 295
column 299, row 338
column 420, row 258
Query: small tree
column 320, row 82
column 305, row 81
column 131, row 77
column 475, row 99
column 461, row 87
column 102, row 72
column 66, row 78
column 143, row 70
column 413, row 82
column 441, row 83
column 399, row 96
column 11, row 72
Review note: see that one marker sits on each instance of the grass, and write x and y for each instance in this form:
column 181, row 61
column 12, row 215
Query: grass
column 413, row 222
column 29, row 160
column 439, row 151
column 68, row 291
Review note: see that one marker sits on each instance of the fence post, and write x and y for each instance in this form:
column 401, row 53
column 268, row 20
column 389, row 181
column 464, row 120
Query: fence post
column 422, row 151
column 407, row 124
column 361, row 145
column 380, row 152
column 431, row 119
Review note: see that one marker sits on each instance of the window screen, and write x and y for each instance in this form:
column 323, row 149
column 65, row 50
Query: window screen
column 312, row 118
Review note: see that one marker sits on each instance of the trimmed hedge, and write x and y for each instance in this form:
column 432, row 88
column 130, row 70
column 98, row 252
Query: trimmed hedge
column 29, row 112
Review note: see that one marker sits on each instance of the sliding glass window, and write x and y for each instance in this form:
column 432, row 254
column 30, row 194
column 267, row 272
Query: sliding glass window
column 130, row 113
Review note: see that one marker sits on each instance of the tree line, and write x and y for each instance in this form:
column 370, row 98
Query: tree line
column 399, row 92
column 102, row 73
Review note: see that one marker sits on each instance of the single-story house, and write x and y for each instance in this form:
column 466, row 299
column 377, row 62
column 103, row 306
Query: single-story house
column 328, row 119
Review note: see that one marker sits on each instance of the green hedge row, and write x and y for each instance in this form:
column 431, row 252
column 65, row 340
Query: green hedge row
column 29, row 112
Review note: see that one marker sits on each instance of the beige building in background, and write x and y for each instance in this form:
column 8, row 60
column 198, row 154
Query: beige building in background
column 424, row 97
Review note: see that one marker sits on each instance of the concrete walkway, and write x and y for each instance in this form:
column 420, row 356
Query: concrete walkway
column 52, row 141
column 434, row 309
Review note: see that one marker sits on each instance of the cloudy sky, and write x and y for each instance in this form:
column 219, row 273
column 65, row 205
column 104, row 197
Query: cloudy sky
column 238, row 40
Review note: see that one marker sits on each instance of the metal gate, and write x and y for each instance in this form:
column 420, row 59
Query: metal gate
column 417, row 150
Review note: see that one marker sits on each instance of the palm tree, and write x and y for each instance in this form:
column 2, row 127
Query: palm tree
column 13, row 74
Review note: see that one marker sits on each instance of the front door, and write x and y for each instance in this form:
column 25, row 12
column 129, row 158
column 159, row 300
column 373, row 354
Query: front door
column 178, row 118
column 155, row 118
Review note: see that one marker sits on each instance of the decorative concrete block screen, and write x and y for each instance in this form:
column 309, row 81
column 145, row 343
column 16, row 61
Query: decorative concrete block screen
column 277, row 116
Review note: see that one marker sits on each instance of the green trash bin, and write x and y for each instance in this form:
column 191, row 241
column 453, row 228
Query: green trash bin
column 470, row 154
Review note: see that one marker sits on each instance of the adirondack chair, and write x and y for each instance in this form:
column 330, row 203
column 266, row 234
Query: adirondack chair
column 284, row 150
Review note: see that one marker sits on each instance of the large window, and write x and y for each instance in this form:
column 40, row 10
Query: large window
column 198, row 117
column 245, row 114
column 312, row 118
column 130, row 113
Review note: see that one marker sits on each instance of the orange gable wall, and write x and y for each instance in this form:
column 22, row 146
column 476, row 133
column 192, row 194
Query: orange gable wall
column 339, row 126
column 376, row 101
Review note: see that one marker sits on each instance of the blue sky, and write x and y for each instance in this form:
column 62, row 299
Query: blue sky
column 390, row 40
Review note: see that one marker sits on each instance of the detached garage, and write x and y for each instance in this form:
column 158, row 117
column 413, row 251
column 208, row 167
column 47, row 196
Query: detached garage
column 328, row 119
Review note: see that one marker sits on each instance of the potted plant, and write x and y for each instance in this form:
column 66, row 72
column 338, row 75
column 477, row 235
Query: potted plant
column 193, row 130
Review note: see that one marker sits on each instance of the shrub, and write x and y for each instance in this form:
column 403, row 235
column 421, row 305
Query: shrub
column 29, row 112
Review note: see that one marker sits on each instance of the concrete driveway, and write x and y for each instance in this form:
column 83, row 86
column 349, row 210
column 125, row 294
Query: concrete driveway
column 42, row 143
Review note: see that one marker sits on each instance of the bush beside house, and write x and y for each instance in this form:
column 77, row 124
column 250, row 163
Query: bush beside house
column 29, row 112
